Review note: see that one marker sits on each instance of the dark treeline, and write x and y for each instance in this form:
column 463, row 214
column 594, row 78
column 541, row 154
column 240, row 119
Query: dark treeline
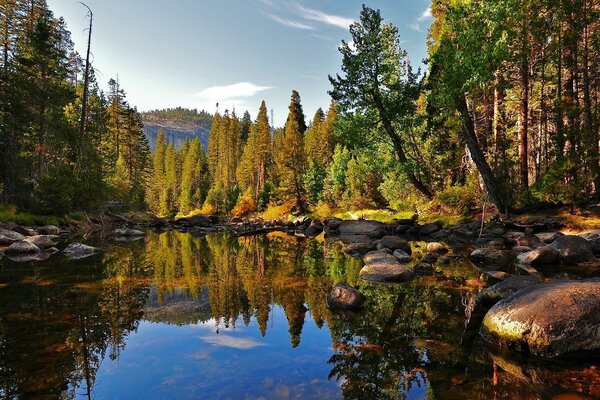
column 55, row 160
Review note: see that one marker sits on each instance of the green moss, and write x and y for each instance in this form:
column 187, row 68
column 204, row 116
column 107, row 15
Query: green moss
column 9, row 212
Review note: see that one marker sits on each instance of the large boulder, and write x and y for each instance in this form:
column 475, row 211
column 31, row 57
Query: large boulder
column 127, row 232
column 42, row 241
column 7, row 236
column 395, row 243
column 362, row 227
column 49, row 230
column 490, row 296
column 490, row 258
column 384, row 267
column 541, row 256
column 549, row 237
column 77, row 251
column 344, row 297
column 22, row 247
column 548, row 320
column 573, row 249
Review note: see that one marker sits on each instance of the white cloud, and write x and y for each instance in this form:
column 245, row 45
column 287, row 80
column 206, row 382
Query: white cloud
column 416, row 26
column 290, row 23
column 426, row 15
column 232, row 92
column 241, row 343
column 329, row 19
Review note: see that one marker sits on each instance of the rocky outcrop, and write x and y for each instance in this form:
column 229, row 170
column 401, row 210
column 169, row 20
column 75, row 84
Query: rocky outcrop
column 573, row 249
column 344, row 297
column 384, row 267
column 548, row 320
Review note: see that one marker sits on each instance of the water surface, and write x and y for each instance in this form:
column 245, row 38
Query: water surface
column 217, row 317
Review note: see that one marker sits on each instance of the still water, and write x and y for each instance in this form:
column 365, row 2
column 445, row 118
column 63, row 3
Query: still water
column 217, row 317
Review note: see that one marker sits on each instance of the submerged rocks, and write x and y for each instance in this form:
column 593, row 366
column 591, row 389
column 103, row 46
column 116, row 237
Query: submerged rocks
column 383, row 267
column 22, row 247
column 573, row 249
column 549, row 320
column 490, row 257
column 344, row 297
column 127, row 232
column 359, row 248
column 395, row 243
column 77, row 251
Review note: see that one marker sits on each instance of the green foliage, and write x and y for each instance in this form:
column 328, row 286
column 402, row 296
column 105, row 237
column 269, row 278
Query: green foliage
column 314, row 181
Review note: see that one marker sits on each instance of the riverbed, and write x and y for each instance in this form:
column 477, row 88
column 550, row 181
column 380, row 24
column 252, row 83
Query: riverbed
column 174, row 315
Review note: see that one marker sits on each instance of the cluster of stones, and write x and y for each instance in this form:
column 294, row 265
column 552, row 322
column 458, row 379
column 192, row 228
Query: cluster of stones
column 23, row 244
column 527, row 312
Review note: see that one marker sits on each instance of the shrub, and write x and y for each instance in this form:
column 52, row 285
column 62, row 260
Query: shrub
column 244, row 206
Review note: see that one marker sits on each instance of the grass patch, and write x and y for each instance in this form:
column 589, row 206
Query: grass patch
column 9, row 212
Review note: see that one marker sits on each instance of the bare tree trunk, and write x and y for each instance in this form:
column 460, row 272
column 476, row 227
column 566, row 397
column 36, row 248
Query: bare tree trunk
column 470, row 136
column 524, row 118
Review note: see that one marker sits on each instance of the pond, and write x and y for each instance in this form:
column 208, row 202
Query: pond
column 219, row 317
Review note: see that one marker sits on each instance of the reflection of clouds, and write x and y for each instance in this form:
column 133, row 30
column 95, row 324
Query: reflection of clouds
column 241, row 343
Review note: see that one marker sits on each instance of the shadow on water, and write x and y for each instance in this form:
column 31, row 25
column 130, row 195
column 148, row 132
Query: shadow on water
column 222, row 317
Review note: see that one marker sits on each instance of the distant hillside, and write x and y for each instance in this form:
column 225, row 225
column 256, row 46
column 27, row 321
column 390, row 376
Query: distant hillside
column 178, row 124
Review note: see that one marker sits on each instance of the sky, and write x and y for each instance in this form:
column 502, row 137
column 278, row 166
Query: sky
column 196, row 53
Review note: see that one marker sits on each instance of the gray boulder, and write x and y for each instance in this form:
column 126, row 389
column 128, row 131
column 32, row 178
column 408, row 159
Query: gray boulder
column 402, row 256
column 359, row 248
column 7, row 236
column 77, row 251
column 49, row 230
column 573, row 249
column 127, row 232
column 42, row 241
column 490, row 258
column 548, row 320
column 395, row 243
column 429, row 229
column 372, row 229
column 541, row 256
column 435, row 247
column 22, row 247
column 384, row 267
column 549, row 237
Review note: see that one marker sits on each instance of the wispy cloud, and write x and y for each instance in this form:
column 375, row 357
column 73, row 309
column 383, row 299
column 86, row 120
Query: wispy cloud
column 320, row 16
column 232, row 92
column 425, row 15
column 241, row 343
column 290, row 23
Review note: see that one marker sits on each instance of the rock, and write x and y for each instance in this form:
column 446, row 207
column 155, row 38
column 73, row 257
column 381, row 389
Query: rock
column 424, row 269
column 512, row 236
column 475, row 226
column 548, row 320
column 402, row 256
column 359, row 248
column 549, row 237
column 42, row 241
column 435, row 247
column 344, row 297
column 395, row 243
column 77, row 251
column 196, row 220
column 362, row 227
column 49, row 230
column 428, row 229
column 402, row 229
column 441, row 234
column 314, row 229
column 490, row 296
column 573, row 249
column 495, row 276
column 8, row 236
column 528, row 241
column 540, row 256
column 490, row 258
column 430, row 258
column 333, row 223
column 595, row 234
column 520, row 249
column 127, row 232
column 383, row 267
column 22, row 247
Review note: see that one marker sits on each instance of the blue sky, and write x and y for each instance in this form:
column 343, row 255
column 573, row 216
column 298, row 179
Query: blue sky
column 195, row 53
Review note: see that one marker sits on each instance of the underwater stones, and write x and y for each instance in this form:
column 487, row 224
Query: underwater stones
column 384, row 267
column 77, row 251
column 127, row 232
column 548, row 320
column 344, row 297
column 395, row 243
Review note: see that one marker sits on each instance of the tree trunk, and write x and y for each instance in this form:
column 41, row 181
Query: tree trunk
column 478, row 157
column 524, row 118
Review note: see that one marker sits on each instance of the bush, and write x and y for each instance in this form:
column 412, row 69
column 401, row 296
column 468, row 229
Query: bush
column 244, row 206
column 278, row 212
